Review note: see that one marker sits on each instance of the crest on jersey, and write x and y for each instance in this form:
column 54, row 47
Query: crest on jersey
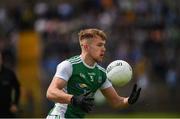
column 82, row 85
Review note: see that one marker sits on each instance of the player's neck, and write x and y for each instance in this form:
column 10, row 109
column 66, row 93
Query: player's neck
column 87, row 59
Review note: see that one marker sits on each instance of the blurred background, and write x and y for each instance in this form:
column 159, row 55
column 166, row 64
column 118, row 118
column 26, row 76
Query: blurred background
column 36, row 35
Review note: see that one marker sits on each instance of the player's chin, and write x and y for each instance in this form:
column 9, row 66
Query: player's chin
column 100, row 59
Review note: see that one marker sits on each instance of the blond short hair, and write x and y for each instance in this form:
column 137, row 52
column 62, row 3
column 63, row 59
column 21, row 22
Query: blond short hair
column 87, row 34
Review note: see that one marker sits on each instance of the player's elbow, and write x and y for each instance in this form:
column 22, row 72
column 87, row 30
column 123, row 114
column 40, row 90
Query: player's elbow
column 49, row 94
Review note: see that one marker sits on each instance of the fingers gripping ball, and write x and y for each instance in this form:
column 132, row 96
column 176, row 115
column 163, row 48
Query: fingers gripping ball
column 119, row 72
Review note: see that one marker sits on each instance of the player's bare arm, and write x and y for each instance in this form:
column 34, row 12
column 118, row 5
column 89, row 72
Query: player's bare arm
column 121, row 102
column 114, row 99
column 55, row 91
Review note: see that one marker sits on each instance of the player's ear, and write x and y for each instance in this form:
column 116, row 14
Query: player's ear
column 85, row 46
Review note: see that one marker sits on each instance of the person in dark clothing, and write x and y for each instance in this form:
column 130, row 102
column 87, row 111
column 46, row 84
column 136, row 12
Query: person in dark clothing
column 9, row 91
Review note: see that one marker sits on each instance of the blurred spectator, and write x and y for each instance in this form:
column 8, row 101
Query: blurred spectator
column 171, row 80
column 64, row 11
column 9, row 91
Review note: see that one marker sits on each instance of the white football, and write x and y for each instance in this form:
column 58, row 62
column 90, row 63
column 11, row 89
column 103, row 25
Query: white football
column 119, row 72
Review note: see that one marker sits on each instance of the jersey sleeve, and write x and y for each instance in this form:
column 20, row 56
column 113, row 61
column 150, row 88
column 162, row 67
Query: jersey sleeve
column 64, row 70
column 106, row 84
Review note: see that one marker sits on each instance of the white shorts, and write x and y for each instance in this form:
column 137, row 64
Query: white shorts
column 54, row 117
column 58, row 111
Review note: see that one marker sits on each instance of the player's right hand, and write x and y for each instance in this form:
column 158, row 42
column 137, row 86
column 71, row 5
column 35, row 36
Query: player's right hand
column 85, row 101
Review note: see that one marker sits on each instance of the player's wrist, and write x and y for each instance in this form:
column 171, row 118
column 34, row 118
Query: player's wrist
column 70, row 99
column 73, row 100
column 126, row 101
column 76, row 100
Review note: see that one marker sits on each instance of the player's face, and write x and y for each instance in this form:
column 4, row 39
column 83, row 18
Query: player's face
column 97, row 49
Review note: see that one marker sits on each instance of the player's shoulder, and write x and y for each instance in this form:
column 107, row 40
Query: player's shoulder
column 101, row 68
column 64, row 63
column 74, row 59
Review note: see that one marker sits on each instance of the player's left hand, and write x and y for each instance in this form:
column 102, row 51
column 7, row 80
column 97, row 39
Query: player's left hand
column 134, row 95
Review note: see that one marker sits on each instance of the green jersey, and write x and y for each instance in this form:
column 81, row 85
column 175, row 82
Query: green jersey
column 80, row 78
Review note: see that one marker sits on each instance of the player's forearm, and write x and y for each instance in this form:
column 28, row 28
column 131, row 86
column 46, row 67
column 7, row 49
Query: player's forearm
column 59, row 96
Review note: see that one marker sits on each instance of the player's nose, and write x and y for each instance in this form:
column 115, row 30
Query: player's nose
column 104, row 49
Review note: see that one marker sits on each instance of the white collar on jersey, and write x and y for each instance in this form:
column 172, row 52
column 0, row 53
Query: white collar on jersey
column 91, row 67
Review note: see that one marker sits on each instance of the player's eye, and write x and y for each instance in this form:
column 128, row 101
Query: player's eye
column 101, row 45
